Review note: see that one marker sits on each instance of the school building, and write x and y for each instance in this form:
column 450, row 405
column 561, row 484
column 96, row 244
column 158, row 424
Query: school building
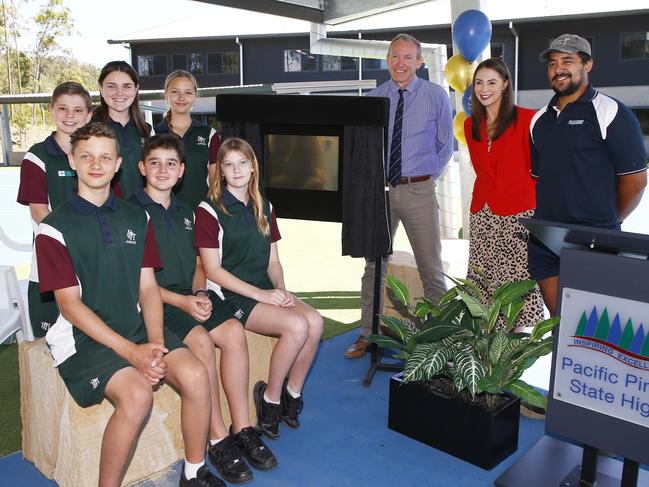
column 246, row 48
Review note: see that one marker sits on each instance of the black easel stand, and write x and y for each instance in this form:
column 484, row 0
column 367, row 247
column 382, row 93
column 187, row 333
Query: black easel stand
column 376, row 351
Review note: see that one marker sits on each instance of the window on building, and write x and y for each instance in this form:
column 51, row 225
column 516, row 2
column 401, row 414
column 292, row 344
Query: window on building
column 497, row 50
column 634, row 45
column 179, row 61
column 196, row 64
column 299, row 60
column 374, row 64
column 223, row 62
column 339, row 63
column 152, row 65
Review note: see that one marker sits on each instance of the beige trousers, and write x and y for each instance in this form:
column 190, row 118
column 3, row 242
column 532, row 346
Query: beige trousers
column 415, row 205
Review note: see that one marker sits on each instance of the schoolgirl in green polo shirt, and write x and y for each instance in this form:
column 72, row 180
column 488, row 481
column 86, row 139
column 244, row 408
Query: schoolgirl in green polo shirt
column 46, row 180
column 201, row 141
column 199, row 317
column 120, row 109
column 236, row 234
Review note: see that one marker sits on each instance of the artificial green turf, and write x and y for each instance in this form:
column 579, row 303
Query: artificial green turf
column 324, row 300
column 10, row 425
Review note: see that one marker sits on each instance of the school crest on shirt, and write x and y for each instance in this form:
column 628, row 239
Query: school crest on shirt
column 200, row 140
column 188, row 224
column 130, row 237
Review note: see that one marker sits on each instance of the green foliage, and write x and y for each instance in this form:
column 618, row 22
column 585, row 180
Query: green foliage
column 457, row 338
column 45, row 64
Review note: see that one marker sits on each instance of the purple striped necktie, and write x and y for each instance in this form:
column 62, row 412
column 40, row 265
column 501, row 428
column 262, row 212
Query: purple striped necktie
column 394, row 168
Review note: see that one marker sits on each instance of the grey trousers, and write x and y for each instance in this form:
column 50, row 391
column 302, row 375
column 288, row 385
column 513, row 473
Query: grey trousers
column 415, row 205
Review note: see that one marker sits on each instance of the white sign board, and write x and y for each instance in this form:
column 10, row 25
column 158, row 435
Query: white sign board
column 602, row 361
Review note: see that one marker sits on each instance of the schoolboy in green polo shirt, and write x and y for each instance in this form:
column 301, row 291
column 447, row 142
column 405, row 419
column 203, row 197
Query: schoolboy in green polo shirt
column 45, row 182
column 98, row 254
column 200, row 318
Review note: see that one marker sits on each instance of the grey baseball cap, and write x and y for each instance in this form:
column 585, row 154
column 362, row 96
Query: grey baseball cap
column 566, row 43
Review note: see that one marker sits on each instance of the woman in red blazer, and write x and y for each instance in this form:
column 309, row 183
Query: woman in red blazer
column 497, row 134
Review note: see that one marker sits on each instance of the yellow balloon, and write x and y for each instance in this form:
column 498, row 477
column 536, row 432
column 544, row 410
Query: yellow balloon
column 459, row 72
column 458, row 127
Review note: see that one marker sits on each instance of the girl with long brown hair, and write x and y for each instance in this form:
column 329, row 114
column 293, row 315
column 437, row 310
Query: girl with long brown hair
column 119, row 109
column 237, row 234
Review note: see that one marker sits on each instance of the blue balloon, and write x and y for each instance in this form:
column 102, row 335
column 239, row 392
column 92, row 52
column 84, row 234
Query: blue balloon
column 471, row 34
column 466, row 100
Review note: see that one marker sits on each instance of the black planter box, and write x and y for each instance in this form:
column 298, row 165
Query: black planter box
column 483, row 438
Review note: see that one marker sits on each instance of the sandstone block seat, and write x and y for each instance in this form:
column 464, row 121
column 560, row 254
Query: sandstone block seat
column 64, row 441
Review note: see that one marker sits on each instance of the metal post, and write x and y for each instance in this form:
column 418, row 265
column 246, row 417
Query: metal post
column 5, row 136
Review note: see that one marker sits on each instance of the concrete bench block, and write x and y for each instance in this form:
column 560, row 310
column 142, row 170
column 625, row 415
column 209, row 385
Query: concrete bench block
column 64, row 441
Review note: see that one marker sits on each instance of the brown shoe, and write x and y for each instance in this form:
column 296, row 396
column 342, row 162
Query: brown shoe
column 358, row 348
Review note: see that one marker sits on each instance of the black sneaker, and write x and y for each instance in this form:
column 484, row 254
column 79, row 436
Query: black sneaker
column 268, row 414
column 226, row 457
column 257, row 453
column 204, row 478
column 291, row 407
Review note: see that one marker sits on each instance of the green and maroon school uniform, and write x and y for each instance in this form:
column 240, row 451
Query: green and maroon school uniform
column 130, row 140
column 201, row 144
column 102, row 250
column 45, row 178
column 244, row 250
column 174, row 231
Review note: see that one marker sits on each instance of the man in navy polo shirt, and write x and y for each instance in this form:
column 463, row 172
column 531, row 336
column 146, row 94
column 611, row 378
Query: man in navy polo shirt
column 587, row 155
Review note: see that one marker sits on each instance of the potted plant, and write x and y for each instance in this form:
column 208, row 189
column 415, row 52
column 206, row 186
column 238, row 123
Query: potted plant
column 461, row 386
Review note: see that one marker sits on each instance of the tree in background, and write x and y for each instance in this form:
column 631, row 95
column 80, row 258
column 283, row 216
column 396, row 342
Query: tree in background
column 53, row 21
column 42, row 66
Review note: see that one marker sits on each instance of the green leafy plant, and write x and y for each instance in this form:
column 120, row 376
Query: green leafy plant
column 468, row 338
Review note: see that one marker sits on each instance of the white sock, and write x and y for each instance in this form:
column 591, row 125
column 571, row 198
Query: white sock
column 268, row 400
column 293, row 394
column 214, row 442
column 191, row 469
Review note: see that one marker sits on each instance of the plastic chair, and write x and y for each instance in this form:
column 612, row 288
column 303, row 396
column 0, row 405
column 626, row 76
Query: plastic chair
column 13, row 313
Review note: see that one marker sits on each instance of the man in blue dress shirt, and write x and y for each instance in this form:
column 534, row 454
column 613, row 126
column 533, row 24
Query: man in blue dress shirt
column 420, row 144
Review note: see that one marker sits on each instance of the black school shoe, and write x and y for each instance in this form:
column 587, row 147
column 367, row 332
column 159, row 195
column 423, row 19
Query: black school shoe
column 291, row 407
column 268, row 414
column 255, row 450
column 204, row 478
column 226, row 457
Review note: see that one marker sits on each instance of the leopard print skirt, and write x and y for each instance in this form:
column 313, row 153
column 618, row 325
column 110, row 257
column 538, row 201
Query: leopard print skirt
column 498, row 247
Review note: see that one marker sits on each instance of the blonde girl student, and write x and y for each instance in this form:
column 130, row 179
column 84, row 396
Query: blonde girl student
column 120, row 109
column 46, row 181
column 237, row 234
column 201, row 141
column 198, row 317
